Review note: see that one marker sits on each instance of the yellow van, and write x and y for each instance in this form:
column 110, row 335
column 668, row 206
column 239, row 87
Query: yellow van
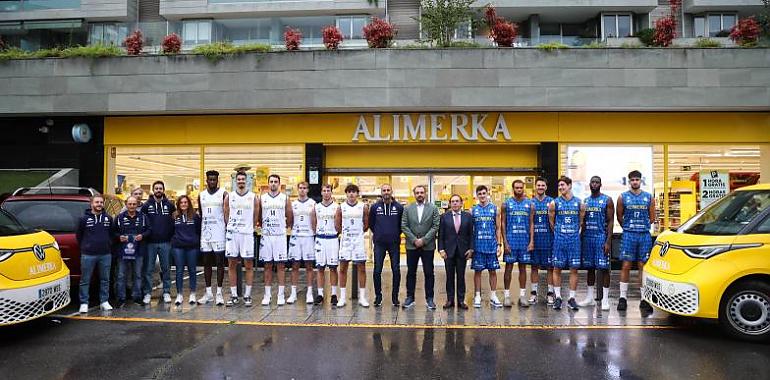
column 717, row 265
column 33, row 278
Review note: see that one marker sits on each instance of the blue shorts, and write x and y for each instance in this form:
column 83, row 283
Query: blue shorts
column 521, row 256
column 542, row 258
column 484, row 261
column 635, row 246
column 592, row 250
column 566, row 253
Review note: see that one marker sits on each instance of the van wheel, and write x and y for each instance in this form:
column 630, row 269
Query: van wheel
column 744, row 312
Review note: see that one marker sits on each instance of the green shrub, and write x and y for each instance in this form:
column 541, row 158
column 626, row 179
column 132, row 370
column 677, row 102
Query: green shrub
column 645, row 36
column 707, row 43
column 465, row 44
column 551, row 46
column 92, row 51
column 217, row 51
column 595, row 45
column 46, row 53
column 14, row 53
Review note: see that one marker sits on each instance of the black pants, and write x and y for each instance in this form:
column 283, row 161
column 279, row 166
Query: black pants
column 455, row 270
column 412, row 258
column 380, row 250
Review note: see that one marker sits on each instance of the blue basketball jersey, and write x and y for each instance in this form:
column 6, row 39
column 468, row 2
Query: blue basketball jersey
column 596, row 215
column 485, row 227
column 543, row 234
column 517, row 222
column 636, row 214
column 567, row 216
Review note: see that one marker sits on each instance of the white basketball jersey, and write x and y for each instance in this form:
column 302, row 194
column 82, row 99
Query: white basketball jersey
column 213, row 216
column 352, row 220
column 241, row 218
column 302, row 211
column 273, row 214
column 324, row 216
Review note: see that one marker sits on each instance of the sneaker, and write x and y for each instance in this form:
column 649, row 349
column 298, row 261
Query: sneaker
column 533, row 299
column 205, row 299
column 247, row 301
column 523, row 302
column 587, row 302
column 431, row 304
column 341, row 302
column 138, row 301
column 281, row 300
column 507, row 301
column 645, row 307
column 550, row 298
column 572, row 304
column 622, row 304
column 292, row 298
column 319, row 300
column 192, row 300
column 147, row 299
column 378, row 300
column 334, row 300
column 83, row 308
column 266, row 300
column 495, row 303
column 477, row 302
column 166, row 298
column 233, row 301
column 309, row 298
column 395, row 301
column 179, row 299
column 220, row 300
column 105, row 306
column 362, row 301
column 408, row 302
column 557, row 304
column 121, row 304
column 605, row 303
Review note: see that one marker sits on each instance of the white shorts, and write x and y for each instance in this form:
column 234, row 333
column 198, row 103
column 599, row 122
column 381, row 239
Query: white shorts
column 273, row 248
column 327, row 252
column 302, row 248
column 239, row 245
column 352, row 249
column 213, row 246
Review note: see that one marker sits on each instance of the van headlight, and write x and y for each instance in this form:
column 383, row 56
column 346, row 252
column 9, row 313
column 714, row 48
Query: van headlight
column 56, row 245
column 5, row 254
column 708, row 251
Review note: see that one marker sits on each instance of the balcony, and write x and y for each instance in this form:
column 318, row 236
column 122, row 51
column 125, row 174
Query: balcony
column 568, row 10
column 37, row 5
column 743, row 7
column 19, row 10
column 179, row 9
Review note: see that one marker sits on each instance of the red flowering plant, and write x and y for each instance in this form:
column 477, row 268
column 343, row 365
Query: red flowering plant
column 501, row 31
column 379, row 33
column 292, row 38
column 746, row 32
column 134, row 43
column 332, row 37
column 171, row 44
column 665, row 28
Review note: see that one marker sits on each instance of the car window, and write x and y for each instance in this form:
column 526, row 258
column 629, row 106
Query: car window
column 10, row 226
column 728, row 215
column 764, row 227
column 51, row 216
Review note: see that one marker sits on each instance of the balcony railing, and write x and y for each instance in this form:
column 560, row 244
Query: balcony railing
column 37, row 5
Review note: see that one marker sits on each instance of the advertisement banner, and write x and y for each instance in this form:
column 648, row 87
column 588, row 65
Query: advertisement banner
column 714, row 184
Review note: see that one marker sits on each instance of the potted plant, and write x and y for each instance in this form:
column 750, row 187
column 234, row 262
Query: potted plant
column 171, row 44
column 134, row 43
column 379, row 33
column 292, row 38
column 332, row 37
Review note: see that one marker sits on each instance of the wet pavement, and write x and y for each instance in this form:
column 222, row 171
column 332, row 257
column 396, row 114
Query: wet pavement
column 304, row 314
column 87, row 349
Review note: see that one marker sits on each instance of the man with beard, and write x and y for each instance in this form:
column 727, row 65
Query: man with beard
column 275, row 214
column 385, row 223
column 241, row 212
column 597, row 239
column 517, row 218
column 158, row 210
column 565, row 214
column 420, row 225
column 543, row 238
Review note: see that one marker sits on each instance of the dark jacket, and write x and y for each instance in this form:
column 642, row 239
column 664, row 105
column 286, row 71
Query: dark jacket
column 385, row 222
column 160, row 220
column 187, row 232
column 126, row 225
column 449, row 240
column 95, row 233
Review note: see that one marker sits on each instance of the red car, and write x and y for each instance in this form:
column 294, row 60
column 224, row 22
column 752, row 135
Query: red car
column 57, row 211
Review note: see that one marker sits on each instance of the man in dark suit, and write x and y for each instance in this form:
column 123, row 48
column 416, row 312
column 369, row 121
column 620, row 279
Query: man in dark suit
column 455, row 244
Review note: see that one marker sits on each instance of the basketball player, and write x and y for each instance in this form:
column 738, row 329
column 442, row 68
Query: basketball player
column 241, row 213
column 565, row 214
column 212, row 210
column 327, row 244
column 275, row 214
column 486, row 232
column 543, row 242
column 597, row 239
column 518, row 240
column 302, row 243
column 354, row 217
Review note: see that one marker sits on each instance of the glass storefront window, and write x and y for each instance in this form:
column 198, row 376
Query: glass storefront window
column 446, row 185
column 262, row 160
column 177, row 167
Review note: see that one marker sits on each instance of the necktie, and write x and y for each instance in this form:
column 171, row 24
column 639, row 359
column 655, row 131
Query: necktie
column 457, row 223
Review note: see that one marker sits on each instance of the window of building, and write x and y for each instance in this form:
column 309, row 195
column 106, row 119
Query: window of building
column 699, row 26
column 616, row 25
column 196, row 32
column 352, row 27
column 239, row 31
column 287, row 161
column 720, row 22
column 107, row 34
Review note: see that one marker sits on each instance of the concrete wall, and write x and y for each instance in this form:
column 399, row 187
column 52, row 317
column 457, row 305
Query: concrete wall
column 393, row 80
column 93, row 10
column 179, row 9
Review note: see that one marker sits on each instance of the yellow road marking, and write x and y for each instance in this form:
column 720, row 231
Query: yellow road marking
column 375, row 326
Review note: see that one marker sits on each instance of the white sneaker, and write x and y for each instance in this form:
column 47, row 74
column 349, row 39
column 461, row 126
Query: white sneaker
column 341, row 302
column 104, row 306
column 605, row 303
column 533, row 299
column 205, row 299
column 362, row 301
column 147, row 299
column 179, row 299
column 192, row 300
column 281, row 300
column 266, row 300
column 166, row 298
column 83, row 308
column 220, row 300
column 495, row 302
column 477, row 302
column 309, row 298
column 507, row 301
column 587, row 302
column 292, row 298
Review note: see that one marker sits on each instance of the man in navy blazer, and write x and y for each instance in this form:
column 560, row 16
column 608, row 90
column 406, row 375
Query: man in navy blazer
column 455, row 244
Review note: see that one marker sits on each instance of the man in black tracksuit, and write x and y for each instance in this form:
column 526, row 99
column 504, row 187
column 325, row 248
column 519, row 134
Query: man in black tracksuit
column 158, row 210
column 385, row 223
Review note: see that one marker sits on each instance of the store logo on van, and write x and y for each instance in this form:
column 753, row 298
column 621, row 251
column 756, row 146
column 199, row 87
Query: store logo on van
column 431, row 128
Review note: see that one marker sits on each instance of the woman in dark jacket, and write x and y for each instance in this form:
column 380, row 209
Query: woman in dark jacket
column 185, row 246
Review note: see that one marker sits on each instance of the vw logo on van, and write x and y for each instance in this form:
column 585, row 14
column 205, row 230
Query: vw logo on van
column 39, row 252
column 664, row 249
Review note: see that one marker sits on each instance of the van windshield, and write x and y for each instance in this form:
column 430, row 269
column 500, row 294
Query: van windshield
column 728, row 215
column 9, row 226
